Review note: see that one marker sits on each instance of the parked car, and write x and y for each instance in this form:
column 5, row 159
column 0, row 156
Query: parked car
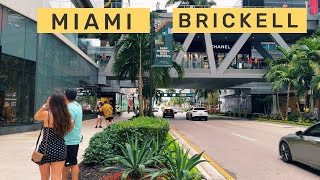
column 168, row 112
column 303, row 146
column 155, row 109
column 197, row 113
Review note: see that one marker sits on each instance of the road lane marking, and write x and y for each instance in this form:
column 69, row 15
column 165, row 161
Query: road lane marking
column 205, row 156
column 198, row 123
column 243, row 137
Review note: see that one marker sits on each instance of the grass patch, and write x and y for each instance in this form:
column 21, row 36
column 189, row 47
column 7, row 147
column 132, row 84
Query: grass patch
column 285, row 122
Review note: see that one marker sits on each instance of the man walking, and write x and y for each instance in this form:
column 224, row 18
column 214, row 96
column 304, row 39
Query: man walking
column 74, row 137
column 108, row 112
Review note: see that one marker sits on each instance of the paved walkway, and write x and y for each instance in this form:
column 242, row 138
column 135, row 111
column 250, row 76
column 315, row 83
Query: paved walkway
column 16, row 150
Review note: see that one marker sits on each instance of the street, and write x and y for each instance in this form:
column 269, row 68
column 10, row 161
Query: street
column 247, row 150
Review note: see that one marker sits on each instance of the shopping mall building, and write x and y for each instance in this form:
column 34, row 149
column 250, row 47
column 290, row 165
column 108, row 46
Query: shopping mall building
column 33, row 66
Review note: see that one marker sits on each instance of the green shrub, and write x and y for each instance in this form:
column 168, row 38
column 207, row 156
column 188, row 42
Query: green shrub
column 103, row 145
column 293, row 117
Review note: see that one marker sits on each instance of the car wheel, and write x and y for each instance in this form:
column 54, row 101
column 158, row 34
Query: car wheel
column 285, row 153
column 206, row 118
column 187, row 117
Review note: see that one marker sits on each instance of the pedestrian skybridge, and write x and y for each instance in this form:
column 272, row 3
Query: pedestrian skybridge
column 215, row 61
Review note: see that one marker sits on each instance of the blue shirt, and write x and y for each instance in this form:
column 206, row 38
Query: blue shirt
column 74, row 136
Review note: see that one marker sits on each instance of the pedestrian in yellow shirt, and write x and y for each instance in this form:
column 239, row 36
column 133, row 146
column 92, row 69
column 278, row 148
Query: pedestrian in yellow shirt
column 107, row 112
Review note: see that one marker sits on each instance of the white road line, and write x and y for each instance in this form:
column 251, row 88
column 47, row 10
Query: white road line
column 198, row 123
column 243, row 137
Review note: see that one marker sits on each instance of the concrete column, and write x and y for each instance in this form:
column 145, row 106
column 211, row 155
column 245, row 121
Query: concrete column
column 233, row 52
column 279, row 40
column 209, row 49
column 274, row 104
column 264, row 53
column 185, row 46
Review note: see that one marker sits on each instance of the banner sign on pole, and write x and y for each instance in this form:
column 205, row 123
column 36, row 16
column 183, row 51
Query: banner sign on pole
column 163, row 42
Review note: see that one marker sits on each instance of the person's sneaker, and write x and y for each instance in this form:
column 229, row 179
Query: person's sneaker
column 100, row 126
column 96, row 127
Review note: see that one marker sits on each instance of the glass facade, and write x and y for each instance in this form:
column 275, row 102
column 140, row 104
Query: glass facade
column 33, row 66
column 280, row 3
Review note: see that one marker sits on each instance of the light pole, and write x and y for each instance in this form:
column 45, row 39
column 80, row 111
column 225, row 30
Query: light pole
column 151, row 63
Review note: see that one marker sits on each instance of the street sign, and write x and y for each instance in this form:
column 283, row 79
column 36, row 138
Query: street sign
column 163, row 40
column 176, row 94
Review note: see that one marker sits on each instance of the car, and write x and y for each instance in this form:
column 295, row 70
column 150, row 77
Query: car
column 155, row 109
column 197, row 113
column 303, row 147
column 168, row 112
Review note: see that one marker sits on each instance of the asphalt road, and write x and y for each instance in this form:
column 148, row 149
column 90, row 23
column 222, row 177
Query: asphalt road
column 247, row 150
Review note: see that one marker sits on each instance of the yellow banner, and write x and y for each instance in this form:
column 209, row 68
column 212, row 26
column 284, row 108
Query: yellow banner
column 93, row 20
column 240, row 20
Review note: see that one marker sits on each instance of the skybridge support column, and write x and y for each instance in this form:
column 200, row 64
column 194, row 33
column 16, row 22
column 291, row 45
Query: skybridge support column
column 233, row 53
column 185, row 46
column 209, row 49
column 279, row 40
column 264, row 53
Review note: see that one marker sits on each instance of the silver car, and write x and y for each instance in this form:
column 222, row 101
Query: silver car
column 303, row 147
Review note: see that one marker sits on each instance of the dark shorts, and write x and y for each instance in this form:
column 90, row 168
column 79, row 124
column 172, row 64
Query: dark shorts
column 109, row 119
column 72, row 153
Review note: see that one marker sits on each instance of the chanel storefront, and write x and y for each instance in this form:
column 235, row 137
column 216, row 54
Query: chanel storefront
column 197, row 58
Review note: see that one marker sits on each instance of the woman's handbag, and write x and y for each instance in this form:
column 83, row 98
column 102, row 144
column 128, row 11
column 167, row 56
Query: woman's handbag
column 38, row 157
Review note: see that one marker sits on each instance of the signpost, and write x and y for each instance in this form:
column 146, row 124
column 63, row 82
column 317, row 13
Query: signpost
column 163, row 42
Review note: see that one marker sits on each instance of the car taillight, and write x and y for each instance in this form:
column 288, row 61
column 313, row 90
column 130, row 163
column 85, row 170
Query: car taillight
column 194, row 111
column 205, row 111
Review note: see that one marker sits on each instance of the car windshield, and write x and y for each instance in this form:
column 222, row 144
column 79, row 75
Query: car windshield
column 199, row 109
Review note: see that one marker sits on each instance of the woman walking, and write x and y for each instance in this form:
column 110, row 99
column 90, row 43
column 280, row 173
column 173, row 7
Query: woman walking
column 56, row 124
column 100, row 115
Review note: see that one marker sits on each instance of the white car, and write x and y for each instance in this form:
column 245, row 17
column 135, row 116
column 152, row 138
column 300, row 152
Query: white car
column 197, row 113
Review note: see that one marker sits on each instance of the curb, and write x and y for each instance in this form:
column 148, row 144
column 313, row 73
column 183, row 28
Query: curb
column 211, row 170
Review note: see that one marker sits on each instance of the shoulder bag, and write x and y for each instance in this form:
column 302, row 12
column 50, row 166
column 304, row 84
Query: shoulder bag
column 38, row 157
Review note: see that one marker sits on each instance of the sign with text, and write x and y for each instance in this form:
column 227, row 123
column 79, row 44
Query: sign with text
column 163, row 42
column 240, row 20
column 93, row 20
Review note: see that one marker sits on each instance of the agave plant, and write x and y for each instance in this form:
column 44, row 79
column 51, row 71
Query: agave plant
column 135, row 158
column 180, row 166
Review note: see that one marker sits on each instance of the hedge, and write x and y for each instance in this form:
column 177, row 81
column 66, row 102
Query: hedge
column 102, row 145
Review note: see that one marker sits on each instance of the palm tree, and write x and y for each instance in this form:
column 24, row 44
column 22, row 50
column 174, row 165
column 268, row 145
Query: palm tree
column 272, row 77
column 132, row 54
column 132, row 60
column 282, row 72
column 309, row 51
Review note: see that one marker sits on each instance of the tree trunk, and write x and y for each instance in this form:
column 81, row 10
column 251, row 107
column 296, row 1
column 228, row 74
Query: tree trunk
column 288, row 96
column 146, row 103
column 278, row 104
column 297, row 102
column 141, row 113
column 305, row 103
column 310, row 101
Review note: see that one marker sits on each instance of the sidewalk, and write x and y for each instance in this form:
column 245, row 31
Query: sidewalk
column 16, row 150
